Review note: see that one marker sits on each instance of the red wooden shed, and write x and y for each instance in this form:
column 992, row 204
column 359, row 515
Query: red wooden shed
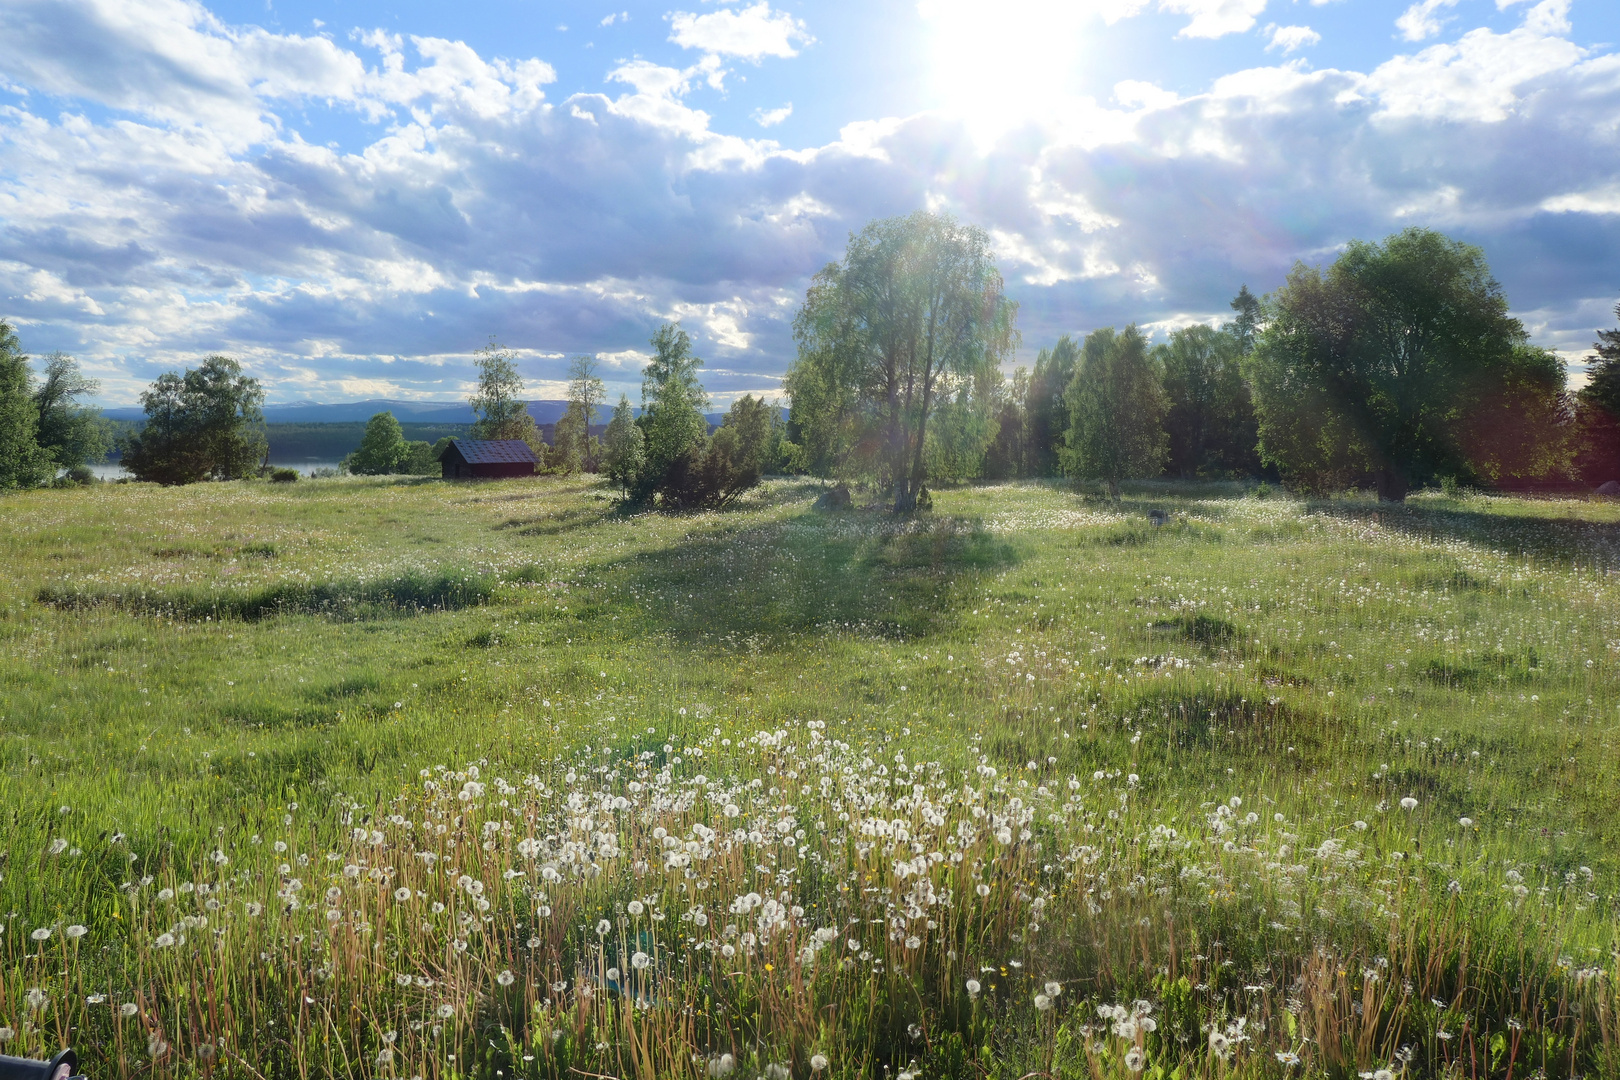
column 470, row 459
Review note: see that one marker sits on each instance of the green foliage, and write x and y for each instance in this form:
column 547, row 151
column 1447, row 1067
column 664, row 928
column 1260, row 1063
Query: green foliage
column 1375, row 366
column 420, row 459
column 914, row 312
column 1046, row 410
column 713, row 475
column 672, row 405
column 1210, row 419
column 1597, row 419
column 283, row 476
column 23, row 462
column 672, row 424
column 573, row 446
column 72, row 434
column 382, row 449
column 965, row 425
column 1249, row 322
column 1012, row 452
column 624, row 452
column 1520, row 424
column 1603, row 371
column 1116, row 410
column 203, row 425
column 498, row 404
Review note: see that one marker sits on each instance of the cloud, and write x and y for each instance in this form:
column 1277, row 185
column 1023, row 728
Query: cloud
column 772, row 117
column 1484, row 76
column 1215, row 18
column 1420, row 20
column 752, row 33
column 1604, row 200
column 1134, row 94
column 141, row 233
column 1290, row 38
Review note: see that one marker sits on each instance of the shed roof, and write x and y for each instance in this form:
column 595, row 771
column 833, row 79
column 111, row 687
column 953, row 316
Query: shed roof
column 491, row 451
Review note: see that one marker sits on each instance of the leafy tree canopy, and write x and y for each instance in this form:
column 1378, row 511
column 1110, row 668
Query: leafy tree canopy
column 1116, row 410
column 1371, row 367
column 913, row 314
column 672, row 403
column 573, row 447
column 205, row 424
column 498, row 403
column 70, row 432
column 624, row 447
column 1603, row 373
column 1210, row 419
column 23, row 462
column 383, row 448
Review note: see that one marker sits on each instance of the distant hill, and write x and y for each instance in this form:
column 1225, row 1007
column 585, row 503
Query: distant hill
column 348, row 412
column 406, row 412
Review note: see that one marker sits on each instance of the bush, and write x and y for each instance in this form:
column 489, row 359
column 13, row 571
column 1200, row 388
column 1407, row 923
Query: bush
column 714, row 472
column 81, row 474
column 283, row 476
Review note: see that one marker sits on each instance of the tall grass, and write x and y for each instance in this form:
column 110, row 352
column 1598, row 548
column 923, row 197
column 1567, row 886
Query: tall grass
column 1023, row 787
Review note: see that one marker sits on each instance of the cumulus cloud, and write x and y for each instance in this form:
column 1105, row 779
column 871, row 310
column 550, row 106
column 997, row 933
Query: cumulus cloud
column 772, row 117
column 1485, row 76
column 753, row 33
column 1215, row 18
column 193, row 218
column 1290, row 38
column 1422, row 19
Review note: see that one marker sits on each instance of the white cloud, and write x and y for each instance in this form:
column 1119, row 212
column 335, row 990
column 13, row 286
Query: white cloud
column 1484, row 75
column 1290, row 38
column 1602, row 200
column 618, row 16
column 1134, row 94
column 772, row 117
column 156, row 234
column 752, row 33
column 1215, row 18
column 1421, row 19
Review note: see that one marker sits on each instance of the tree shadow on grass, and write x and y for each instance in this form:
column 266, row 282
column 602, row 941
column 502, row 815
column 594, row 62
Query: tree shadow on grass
column 869, row 573
column 1542, row 537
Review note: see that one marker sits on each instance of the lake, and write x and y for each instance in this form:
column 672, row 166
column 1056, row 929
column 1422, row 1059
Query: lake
column 112, row 470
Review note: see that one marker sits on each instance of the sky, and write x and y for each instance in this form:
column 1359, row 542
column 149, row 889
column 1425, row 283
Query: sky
column 352, row 196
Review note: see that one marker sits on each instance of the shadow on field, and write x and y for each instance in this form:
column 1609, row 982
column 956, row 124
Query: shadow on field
column 868, row 572
column 407, row 594
column 1541, row 536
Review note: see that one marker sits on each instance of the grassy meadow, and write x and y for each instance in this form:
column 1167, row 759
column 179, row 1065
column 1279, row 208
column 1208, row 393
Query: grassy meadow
column 397, row 778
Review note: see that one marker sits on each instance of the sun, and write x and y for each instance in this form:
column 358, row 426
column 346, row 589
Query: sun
column 1001, row 66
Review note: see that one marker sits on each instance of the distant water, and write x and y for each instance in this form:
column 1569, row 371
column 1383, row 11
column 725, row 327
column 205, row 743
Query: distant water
column 115, row 471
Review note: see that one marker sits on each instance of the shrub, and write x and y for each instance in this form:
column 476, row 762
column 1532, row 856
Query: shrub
column 283, row 476
column 713, row 473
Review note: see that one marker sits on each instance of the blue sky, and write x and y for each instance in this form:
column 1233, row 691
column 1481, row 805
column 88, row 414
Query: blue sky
column 353, row 196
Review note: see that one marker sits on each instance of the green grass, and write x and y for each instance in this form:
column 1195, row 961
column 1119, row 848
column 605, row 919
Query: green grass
column 191, row 677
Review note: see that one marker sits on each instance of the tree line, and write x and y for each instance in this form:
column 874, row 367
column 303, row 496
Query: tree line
column 1396, row 366
column 662, row 455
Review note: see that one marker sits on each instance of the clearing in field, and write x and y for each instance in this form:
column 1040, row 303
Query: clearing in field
column 400, row 778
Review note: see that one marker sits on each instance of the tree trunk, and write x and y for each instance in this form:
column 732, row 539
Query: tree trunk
column 905, row 496
column 1113, row 489
column 1391, row 484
